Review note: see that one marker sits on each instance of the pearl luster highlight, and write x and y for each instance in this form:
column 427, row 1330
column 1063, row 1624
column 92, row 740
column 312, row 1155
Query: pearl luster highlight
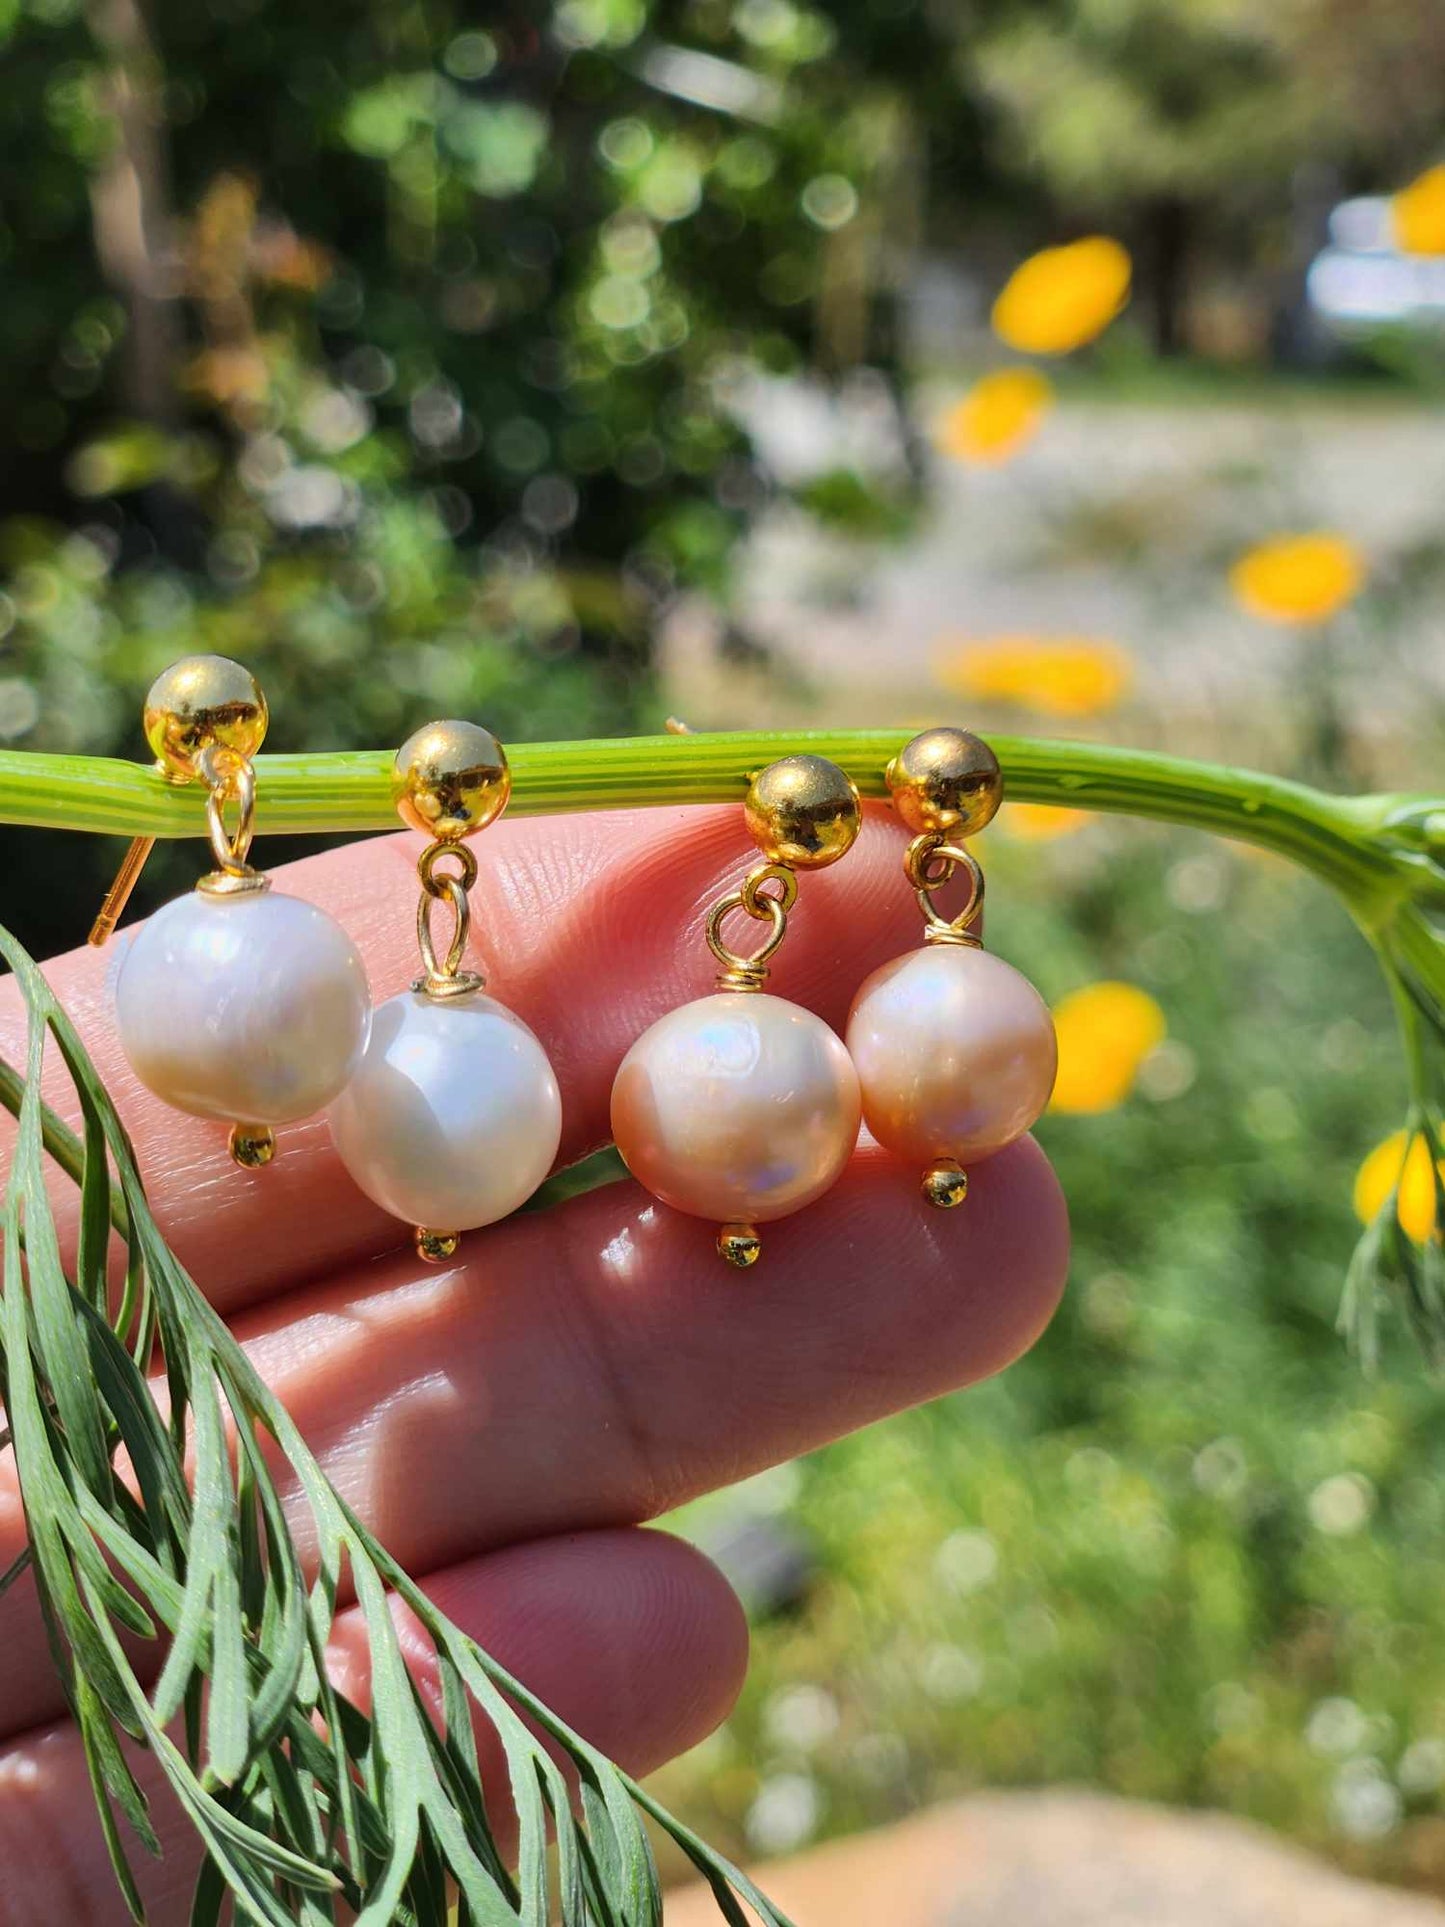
column 955, row 1052
column 243, row 1008
column 454, row 1117
column 739, row 1107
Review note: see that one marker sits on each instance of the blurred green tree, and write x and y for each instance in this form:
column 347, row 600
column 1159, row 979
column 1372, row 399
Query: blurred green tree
column 398, row 354
column 1183, row 119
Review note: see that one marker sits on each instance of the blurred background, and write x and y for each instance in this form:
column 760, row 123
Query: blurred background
column 1065, row 366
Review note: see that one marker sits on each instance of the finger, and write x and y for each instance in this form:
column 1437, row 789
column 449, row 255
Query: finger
column 589, row 926
column 597, row 1364
column 632, row 1638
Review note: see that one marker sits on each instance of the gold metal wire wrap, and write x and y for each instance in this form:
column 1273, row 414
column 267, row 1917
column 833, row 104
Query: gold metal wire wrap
column 929, row 863
column 445, row 978
column 229, row 778
column 740, row 972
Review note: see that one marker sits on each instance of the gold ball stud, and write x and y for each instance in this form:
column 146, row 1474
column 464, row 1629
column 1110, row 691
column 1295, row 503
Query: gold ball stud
column 739, row 1244
column 945, row 1184
column 451, row 780
column 803, row 811
column 945, row 779
column 435, row 1247
column 199, row 703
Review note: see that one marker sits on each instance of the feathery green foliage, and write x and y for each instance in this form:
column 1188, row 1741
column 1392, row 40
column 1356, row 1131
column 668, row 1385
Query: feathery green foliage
column 301, row 1800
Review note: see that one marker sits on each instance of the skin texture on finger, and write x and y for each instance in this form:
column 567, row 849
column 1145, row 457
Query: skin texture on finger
column 590, row 927
column 598, row 1364
column 632, row 1638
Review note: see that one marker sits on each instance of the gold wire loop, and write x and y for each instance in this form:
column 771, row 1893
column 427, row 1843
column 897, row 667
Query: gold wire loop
column 445, row 978
column 229, row 778
column 929, row 863
column 451, row 889
column 740, row 972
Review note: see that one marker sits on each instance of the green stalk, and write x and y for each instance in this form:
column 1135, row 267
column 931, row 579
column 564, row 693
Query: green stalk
column 1332, row 836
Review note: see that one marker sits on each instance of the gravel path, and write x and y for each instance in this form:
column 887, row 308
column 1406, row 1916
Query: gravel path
column 1119, row 521
column 1068, row 1860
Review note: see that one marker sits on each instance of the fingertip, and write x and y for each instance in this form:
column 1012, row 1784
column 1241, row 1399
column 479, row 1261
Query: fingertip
column 988, row 1275
column 889, row 1302
column 710, row 1649
column 1023, row 1215
column 631, row 1635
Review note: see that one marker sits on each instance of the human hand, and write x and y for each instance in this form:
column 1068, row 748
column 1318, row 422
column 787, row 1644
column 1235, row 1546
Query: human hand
column 506, row 1423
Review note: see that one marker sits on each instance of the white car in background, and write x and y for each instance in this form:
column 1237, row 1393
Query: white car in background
column 1361, row 280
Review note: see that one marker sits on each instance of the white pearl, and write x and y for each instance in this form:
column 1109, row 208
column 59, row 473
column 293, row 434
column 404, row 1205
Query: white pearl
column 955, row 1052
column 739, row 1107
column 454, row 1117
column 252, row 1009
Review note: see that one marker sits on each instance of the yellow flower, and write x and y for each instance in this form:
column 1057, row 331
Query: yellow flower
column 1298, row 578
column 1057, row 300
column 1417, row 214
column 1060, row 675
column 998, row 416
column 1105, row 1032
column 1041, row 822
column 1406, row 1164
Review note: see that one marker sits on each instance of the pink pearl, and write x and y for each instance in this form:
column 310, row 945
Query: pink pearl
column 739, row 1107
column 955, row 1052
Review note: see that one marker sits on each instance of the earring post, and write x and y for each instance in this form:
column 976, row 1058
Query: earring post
column 118, row 895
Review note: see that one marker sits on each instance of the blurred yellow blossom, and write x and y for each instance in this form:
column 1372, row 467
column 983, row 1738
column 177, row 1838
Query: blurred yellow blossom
column 998, row 416
column 1298, row 578
column 1057, row 300
column 1041, row 822
column 1406, row 1163
column 1060, row 675
column 1105, row 1032
column 1417, row 214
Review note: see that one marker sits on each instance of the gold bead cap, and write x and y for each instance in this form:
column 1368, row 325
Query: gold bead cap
column 803, row 811
column 450, row 780
column 200, row 703
column 945, row 780
column 739, row 1245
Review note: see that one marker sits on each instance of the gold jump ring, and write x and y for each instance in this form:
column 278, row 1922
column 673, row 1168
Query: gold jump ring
column 437, row 886
column 757, row 902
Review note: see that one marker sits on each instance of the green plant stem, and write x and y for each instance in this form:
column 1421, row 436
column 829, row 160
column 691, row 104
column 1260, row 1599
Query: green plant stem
column 1333, row 836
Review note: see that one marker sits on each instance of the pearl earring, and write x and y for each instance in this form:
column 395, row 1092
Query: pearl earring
column 231, row 1003
column 453, row 1118
column 955, row 1050
column 740, row 1106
